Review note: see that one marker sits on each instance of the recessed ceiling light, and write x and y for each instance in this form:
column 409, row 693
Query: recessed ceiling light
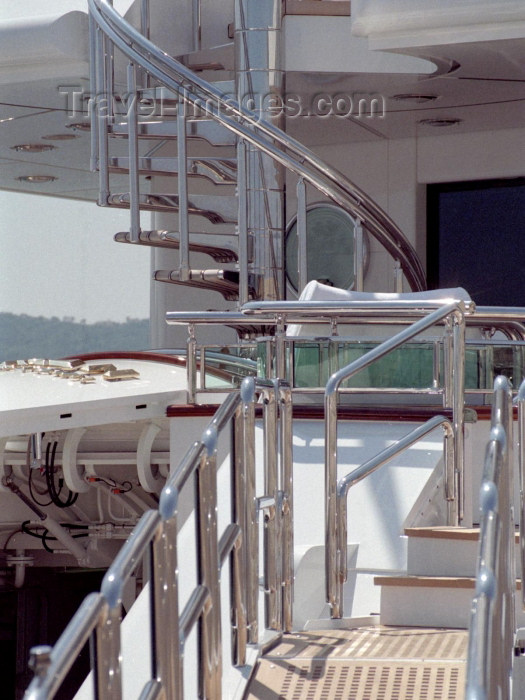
column 79, row 126
column 415, row 98
column 59, row 137
column 440, row 122
column 36, row 178
column 33, row 147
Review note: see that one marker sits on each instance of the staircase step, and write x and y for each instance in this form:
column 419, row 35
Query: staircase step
column 405, row 600
column 226, row 282
column 170, row 239
column 220, row 171
column 218, row 210
column 164, row 96
column 211, row 61
column 443, row 551
column 204, row 129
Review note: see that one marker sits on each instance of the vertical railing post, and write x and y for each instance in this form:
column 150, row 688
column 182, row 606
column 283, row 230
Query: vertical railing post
column 197, row 24
column 398, row 277
column 191, row 363
column 359, row 262
column 521, row 466
column 252, row 530
column 182, row 181
column 108, row 671
column 302, row 243
column 242, row 225
column 458, row 409
column 505, row 572
column 134, row 194
column 93, row 96
column 145, row 27
column 331, row 554
column 238, row 565
column 102, row 112
column 272, row 519
column 208, row 567
column 165, row 618
column 286, row 442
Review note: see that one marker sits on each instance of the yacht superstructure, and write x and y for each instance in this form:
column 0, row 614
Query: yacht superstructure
column 282, row 501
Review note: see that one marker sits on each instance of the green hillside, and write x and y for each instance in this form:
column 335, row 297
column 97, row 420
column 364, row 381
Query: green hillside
column 23, row 336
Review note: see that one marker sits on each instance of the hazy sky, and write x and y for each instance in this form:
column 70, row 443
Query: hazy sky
column 58, row 258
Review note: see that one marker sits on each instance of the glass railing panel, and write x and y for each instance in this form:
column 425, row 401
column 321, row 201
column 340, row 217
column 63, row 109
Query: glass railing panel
column 225, row 366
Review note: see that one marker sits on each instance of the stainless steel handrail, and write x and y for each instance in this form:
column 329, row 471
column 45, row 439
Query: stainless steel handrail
column 369, row 467
column 156, row 534
column 492, row 621
column 454, row 385
column 521, row 467
column 265, row 136
column 59, row 659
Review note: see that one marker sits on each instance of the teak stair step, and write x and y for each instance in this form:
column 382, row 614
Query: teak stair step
column 366, row 662
column 218, row 210
column 220, row 171
column 171, row 239
column 446, row 532
column 200, row 129
column 426, row 581
column 430, row 581
column 226, row 282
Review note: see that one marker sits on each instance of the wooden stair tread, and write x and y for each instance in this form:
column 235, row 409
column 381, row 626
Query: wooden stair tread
column 375, row 661
column 318, row 7
column 430, row 581
column 446, row 532
column 426, row 581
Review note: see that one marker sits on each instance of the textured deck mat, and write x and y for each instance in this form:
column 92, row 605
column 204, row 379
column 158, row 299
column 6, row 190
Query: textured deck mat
column 372, row 663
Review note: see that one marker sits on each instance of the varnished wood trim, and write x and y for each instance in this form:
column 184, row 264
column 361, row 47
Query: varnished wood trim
column 394, row 414
column 484, row 412
column 449, row 533
column 131, row 355
column 430, row 581
column 426, row 581
column 406, row 414
column 318, row 7
column 444, row 533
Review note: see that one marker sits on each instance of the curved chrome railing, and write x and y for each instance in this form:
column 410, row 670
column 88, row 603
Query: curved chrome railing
column 492, row 621
column 249, row 127
column 454, row 396
column 154, row 539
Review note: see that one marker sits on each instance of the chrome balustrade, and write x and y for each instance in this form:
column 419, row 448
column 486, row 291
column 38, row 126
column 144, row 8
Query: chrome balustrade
column 521, row 467
column 492, row 621
column 339, row 576
column 265, row 136
column 154, row 542
column 453, row 490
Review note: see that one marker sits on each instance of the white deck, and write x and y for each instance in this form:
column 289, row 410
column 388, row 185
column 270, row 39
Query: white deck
column 31, row 402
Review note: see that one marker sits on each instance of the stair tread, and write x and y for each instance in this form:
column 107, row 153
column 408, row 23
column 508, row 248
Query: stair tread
column 201, row 129
column 359, row 662
column 217, row 209
column 220, row 171
column 419, row 581
column 216, row 58
column 446, row 532
column 170, row 239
